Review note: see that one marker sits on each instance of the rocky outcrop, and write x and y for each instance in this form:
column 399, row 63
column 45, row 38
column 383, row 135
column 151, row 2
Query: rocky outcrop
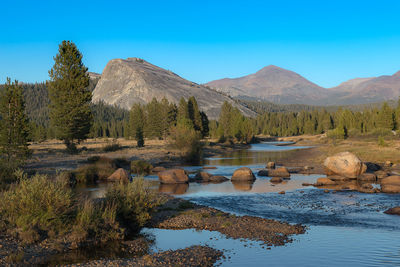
column 173, row 176
column 133, row 80
column 243, row 174
column 120, row 175
column 344, row 164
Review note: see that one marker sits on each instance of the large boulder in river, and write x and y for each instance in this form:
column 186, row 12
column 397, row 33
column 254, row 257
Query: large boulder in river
column 390, row 184
column 344, row 164
column 243, row 174
column 173, row 176
column 120, row 175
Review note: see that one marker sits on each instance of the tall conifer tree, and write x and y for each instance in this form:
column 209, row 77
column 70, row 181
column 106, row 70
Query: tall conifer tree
column 14, row 129
column 70, row 112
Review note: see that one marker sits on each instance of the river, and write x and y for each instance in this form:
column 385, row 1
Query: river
column 344, row 228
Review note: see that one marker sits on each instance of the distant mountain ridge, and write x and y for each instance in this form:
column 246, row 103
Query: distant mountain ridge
column 278, row 85
column 134, row 80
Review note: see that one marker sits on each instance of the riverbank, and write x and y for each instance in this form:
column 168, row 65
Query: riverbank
column 174, row 214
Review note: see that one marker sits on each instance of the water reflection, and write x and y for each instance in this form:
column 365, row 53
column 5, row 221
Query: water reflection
column 243, row 186
column 175, row 189
column 256, row 154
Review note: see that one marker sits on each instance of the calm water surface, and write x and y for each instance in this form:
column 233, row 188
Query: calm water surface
column 344, row 228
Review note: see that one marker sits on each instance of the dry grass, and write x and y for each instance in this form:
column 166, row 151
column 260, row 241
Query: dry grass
column 366, row 149
column 50, row 156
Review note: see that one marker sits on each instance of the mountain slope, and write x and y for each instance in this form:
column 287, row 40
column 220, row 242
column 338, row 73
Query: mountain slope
column 125, row 82
column 367, row 90
column 273, row 84
column 278, row 85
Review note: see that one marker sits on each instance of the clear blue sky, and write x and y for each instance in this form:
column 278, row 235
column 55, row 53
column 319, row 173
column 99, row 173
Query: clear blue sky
column 325, row 41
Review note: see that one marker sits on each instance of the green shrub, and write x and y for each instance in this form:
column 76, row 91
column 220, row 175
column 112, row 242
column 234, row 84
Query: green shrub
column 184, row 138
column 112, row 146
column 338, row 133
column 39, row 208
column 37, row 205
column 134, row 202
column 99, row 169
column 381, row 141
column 141, row 167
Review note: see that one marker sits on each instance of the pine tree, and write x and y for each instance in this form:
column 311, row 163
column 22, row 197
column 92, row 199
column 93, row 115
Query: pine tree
column 137, row 122
column 386, row 117
column 70, row 112
column 14, row 127
column 194, row 113
column 183, row 111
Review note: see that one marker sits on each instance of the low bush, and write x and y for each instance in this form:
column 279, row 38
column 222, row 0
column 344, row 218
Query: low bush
column 38, row 208
column 37, row 205
column 134, row 203
column 141, row 167
column 111, row 146
column 100, row 168
column 184, row 138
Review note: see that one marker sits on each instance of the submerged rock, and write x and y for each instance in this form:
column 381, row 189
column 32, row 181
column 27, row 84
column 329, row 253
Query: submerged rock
column 173, row 176
column 243, row 174
column 344, row 164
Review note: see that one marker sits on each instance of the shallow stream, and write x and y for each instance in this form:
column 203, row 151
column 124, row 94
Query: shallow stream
column 344, row 228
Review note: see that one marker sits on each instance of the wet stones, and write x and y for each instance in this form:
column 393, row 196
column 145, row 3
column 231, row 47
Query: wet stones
column 344, row 164
column 173, row 176
column 243, row 174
